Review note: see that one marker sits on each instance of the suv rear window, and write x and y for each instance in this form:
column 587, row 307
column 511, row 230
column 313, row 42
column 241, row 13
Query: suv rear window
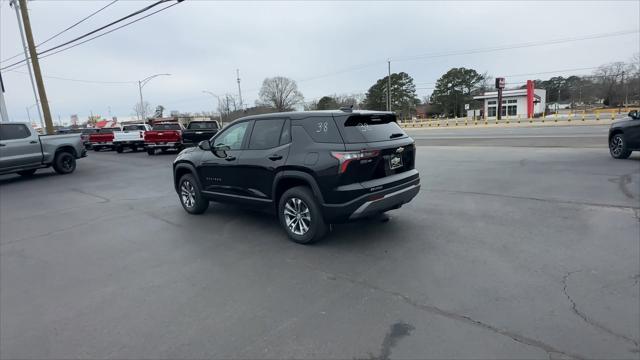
column 359, row 128
column 166, row 127
column 321, row 129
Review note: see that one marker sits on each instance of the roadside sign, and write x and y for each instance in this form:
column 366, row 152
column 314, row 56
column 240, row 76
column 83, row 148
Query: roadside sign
column 466, row 106
column 500, row 83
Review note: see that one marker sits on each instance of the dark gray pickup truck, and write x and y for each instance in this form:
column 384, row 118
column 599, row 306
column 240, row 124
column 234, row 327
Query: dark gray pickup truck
column 23, row 151
column 197, row 131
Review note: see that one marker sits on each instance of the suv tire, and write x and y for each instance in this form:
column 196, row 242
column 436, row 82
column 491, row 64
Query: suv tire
column 618, row 147
column 64, row 163
column 119, row 149
column 300, row 215
column 190, row 196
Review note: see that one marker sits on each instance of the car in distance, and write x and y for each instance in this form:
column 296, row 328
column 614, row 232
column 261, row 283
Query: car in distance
column 102, row 138
column 163, row 137
column 197, row 131
column 313, row 168
column 624, row 136
column 130, row 137
column 23, row 151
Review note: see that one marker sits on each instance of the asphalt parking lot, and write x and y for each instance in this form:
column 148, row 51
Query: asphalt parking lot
column 507, row 252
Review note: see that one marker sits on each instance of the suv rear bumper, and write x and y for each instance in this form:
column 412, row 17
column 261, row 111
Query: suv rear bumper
column 372, row 203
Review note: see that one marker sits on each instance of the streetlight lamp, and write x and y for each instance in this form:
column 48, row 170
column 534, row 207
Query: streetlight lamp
column 219, row 103
column 141, row 84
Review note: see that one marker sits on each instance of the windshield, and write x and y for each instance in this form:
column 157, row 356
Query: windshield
column 133, row 127
column 203, row 125
column 166, row 127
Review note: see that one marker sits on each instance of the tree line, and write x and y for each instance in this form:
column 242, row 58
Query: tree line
column 614, row 84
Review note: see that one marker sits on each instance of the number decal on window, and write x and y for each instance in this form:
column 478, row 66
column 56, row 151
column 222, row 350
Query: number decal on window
column 363, row 127
column 322, row 127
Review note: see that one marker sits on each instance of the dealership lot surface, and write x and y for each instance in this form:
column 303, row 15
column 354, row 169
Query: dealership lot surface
column 509, row 251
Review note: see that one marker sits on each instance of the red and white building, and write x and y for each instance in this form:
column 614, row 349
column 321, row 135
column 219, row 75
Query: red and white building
column 529, row 102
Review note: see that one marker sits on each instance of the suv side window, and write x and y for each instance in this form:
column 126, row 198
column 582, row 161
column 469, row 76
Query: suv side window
column 265, row 134
column 14, row 131
column 321, row 129
column 232, row 136
column 285, row 137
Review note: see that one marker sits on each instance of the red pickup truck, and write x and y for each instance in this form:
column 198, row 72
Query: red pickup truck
column 102, row 139
column 163, row 136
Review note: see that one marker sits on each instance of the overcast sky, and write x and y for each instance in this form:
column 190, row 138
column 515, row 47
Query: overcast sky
column 202, row 43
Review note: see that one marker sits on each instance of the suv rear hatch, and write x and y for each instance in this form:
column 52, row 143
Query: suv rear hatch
column 376, row 149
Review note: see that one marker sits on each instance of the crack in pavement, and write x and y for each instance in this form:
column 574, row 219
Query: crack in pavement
column 623, row 181
column 586, row 319
column 104, row 199
column 558, row 201
column 549, row 349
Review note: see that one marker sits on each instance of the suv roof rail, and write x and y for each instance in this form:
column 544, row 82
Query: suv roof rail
column 347, row 109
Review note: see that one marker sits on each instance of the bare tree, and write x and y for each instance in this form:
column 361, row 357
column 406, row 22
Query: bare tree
column 227, row 105
column 142, row 110
column 610, row 78
column 280, row 93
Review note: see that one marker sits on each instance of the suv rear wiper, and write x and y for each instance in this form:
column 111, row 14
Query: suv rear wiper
column 395, row 135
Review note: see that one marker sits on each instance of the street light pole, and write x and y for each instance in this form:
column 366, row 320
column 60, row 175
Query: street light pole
column 389, row 85
column 219, row 103
column 141, row 84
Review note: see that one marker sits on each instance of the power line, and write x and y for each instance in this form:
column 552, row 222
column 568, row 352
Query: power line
column 79, row 80
column 65, row 30
column 92, row 38
column 104, row 27
column 519, row 45
column 478, row 50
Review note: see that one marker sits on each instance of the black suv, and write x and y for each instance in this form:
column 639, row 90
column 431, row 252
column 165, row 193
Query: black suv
column 624, row 136
column 314, row 168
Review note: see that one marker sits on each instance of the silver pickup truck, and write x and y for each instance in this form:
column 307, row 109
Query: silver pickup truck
column 23, row 151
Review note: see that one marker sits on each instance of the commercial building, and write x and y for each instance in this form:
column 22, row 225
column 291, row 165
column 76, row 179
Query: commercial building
column 521, row 102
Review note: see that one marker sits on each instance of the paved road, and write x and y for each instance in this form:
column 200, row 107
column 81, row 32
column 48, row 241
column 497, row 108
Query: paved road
column 594, row 136
column 505, row 253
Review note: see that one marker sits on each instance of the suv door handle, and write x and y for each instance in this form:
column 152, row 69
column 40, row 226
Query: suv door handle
column 3, row 145
column 230, row 158
column 275, row 157
column 33, row 142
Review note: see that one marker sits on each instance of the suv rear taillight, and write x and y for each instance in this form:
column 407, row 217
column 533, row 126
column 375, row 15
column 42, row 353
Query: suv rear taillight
column 345, row 157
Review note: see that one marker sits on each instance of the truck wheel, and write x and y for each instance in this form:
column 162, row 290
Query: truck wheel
column 151, row 151
column 190, row 195
column 27, row 173
column 300, row 215
column 96, row 148
column 64, row 163
column 119, row 149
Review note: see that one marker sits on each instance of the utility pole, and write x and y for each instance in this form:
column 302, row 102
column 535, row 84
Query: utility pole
column 36, row 67
column 16, row 7
column 3, row 107
column 239, row 91
column 389, row 86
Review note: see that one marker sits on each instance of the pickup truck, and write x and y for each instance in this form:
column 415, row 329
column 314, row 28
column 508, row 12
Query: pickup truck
column 163, row 136
column 84, row 135
column 102, row 139
column 131, row 137
column 197, row 131
column 23, row 151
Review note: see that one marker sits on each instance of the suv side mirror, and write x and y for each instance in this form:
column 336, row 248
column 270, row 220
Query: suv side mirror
column 634, row 114
column 204, row 145
column 220, row 150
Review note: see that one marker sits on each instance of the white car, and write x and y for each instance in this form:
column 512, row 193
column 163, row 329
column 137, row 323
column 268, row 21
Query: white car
column 131, row 136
